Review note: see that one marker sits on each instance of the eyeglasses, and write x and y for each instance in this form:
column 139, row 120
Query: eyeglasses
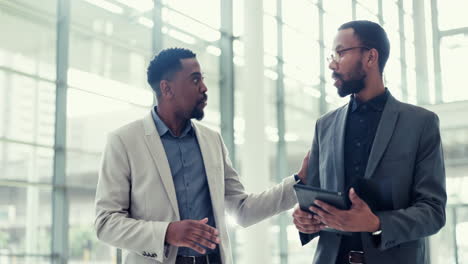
column 337, row 54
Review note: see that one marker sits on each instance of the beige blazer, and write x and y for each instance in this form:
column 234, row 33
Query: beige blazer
column 136, row 198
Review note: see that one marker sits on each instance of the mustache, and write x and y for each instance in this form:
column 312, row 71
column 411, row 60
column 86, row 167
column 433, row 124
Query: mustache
column 203, row 99
column 336, row 75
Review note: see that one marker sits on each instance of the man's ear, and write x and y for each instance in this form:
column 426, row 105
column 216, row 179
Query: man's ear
column 166, row 90
column 372, row 58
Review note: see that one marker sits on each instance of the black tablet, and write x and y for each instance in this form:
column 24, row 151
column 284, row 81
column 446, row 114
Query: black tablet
column 306, row 195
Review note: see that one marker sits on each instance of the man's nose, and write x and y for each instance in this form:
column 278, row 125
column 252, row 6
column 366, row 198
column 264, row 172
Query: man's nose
column 204, row 89
column 332, row 65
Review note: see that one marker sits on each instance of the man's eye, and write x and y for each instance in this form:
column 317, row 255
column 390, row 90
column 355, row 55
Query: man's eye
column 196, row 80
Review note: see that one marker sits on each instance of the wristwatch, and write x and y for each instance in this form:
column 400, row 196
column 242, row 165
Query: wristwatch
column 377, row 233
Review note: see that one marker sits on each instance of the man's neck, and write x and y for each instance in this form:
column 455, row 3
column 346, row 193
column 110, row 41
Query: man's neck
column 174, row 122
column 373, row 88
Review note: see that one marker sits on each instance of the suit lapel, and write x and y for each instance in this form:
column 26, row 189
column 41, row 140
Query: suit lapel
column 207, row 160
column 156, row 148
column 340, row 128
column 383, row 135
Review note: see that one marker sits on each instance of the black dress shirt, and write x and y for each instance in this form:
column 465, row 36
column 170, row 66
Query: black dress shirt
column 361, row 126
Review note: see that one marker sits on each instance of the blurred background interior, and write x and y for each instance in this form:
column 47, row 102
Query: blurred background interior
column 73, row 70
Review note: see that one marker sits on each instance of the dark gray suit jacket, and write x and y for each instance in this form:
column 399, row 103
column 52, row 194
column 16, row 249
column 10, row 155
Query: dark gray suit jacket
column 406, row 163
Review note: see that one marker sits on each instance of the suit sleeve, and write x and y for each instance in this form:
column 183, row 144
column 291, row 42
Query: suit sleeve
column 426, row 214
column 113, row 223
column 313, row 178
column 250, row 209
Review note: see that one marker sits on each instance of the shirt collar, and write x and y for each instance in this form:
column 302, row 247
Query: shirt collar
column 377, row 103
column 163, row 129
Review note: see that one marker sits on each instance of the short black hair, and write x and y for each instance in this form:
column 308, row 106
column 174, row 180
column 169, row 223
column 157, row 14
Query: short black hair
column 373, row 36
column 164, row 65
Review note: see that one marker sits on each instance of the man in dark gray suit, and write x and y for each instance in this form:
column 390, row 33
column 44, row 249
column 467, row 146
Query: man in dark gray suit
column 385, row 154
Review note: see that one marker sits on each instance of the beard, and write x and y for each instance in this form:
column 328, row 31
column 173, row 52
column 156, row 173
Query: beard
column 352, row 86
column 197, row 111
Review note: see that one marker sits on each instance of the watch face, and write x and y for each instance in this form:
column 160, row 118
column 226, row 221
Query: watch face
column 376, row 233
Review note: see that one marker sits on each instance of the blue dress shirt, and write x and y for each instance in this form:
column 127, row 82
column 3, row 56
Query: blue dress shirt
column 188, row 172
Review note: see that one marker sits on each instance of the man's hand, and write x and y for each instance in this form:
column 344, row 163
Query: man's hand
column 192, row 234
column 357, row 219
column 305, row 222
column 305, row 166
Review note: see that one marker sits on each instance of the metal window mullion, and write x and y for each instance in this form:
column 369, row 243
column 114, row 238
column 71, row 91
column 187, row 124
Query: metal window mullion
column 281, row 153
column 380, row 12
column 454, row 233
column 226, row 93
column 453, row 31
column 436, row 52
column 226, row 82
column 323, row 94
column 353, row 9
column 157, row 38
column 156, row 47
column 59, row 192
column 420, row 53
column 403, row 68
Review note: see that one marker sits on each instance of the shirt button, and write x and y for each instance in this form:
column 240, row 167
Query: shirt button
column 358, row 144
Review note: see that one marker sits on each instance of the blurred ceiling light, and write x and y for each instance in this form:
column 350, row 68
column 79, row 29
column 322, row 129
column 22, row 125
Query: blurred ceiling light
column 239, row 61
column 213, row 50
column 289, row 81
column 311, row 91
column 238, row 47
column 106, row 5
column 188, row 24
column 291, row 137
column 269, row 60
column 110, row 88
column 139, row 5
column 270, row 74
column 146, row 22
column 181, row 36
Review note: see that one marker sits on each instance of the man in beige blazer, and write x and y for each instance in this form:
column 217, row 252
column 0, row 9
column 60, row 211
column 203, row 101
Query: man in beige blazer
column 166, row 182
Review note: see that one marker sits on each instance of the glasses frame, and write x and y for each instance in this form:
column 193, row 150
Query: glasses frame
column 337, row 54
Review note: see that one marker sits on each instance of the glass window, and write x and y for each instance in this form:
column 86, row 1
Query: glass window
column 23, row 162
column 83, row 244
column 29, row 109
column 336, row 14
column 107, row 45
column 363, row 12
column 301, row 15
column 452, row 13
column 372, row 6
column 28, row 38
column 207, row 11
column 270, row 35
column 453, row 51
column 269, row 7
column 25, row 222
